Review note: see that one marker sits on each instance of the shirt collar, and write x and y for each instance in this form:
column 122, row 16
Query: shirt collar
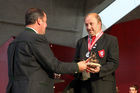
column 32, row 29
column 95, row 35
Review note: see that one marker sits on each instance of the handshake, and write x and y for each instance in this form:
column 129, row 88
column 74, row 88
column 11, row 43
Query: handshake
column 90, row 65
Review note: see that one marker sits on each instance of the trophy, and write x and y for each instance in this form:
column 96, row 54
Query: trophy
column 92, row 61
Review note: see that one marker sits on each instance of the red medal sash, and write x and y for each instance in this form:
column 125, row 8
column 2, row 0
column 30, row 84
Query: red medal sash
column 90, row 45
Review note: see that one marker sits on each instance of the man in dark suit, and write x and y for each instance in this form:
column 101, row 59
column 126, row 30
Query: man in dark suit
column 31, row 63
column 100, row 79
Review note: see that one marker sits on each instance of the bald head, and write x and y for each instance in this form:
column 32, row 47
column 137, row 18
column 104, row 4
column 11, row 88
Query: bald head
column 94, row 15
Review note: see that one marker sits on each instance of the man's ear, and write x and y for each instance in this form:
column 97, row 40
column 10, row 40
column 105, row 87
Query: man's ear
column 39, row 21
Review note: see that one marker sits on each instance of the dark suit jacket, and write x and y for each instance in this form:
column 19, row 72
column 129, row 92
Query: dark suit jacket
column 104, row 81
column 31, row 64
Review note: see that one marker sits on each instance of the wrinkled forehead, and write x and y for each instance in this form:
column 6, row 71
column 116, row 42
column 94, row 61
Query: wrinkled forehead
column 90, row 19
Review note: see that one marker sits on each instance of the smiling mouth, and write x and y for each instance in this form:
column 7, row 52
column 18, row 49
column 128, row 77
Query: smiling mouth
column 90, row 31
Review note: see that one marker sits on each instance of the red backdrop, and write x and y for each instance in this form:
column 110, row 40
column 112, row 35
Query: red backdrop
column 128, row 34
column 65, row 54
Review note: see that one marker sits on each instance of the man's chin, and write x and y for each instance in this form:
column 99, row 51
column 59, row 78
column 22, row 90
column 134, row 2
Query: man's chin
column 91, row 34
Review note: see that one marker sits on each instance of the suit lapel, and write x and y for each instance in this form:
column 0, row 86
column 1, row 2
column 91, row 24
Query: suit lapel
column 100, row 43
column 86, row 43
column 98, row 46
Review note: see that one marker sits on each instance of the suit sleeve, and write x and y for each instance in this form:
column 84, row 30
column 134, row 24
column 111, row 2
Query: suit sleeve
column 45, row 57
column 112, row 59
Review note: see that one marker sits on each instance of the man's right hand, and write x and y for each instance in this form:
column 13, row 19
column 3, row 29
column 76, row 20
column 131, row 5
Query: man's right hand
column 82, row 66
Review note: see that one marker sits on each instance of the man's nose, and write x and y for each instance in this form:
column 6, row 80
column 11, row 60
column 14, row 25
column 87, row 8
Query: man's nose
column 88, row 26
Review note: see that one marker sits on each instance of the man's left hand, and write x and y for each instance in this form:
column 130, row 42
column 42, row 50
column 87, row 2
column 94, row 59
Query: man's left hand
column 93, row 70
